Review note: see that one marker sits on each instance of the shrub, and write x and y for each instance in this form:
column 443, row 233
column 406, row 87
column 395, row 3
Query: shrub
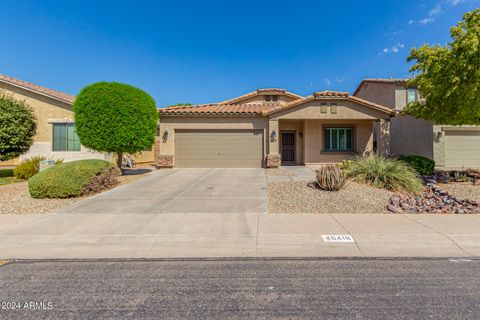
column 331, row 177
column 5, row 173
column 115, row 117
column 385, row 173
column 424, row 166
column 29, row 167
column 72, row 179
column 18, row 125
column 105, row 179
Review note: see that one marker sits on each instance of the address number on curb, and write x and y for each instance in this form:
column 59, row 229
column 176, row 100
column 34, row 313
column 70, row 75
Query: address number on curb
column 337, row 238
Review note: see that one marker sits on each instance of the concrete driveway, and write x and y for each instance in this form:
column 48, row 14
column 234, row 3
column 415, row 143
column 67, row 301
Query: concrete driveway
column 184, row 191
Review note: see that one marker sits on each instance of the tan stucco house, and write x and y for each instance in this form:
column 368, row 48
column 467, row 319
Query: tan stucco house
column 56, row 137
column 452, row 147
column 269, row 128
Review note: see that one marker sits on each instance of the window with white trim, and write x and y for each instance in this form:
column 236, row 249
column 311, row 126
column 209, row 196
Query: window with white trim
column 65, row 137
column 411, row 95
column 338, row 139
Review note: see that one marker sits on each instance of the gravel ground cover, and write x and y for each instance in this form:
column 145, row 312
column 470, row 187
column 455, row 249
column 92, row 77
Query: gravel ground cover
column 298, row 197
column 279, row 172
column 15, row 198
column 463, row 190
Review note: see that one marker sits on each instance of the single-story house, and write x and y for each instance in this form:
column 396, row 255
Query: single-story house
column 269, row 128
column 452, row 147
column 56, row 137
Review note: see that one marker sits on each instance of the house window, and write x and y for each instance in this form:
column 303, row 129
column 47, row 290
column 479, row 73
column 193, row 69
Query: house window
column 274, row 98
column 65, row 137
column 411, row 95
column 338, row 139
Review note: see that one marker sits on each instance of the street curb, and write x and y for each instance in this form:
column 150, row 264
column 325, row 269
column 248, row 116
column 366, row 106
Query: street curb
column 234, row 259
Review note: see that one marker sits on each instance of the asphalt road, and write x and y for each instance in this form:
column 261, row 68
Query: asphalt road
column 242, row 289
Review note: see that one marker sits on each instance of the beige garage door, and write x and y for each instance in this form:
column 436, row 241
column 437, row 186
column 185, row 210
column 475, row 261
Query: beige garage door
column 218, row 148
column 462, row 149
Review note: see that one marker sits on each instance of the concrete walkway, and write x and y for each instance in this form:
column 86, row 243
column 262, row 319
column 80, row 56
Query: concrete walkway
column 174, row 235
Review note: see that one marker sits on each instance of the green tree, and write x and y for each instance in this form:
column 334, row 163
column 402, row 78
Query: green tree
column 180, row 104
column 115, row 117
column 18, row 126
column 448, row 77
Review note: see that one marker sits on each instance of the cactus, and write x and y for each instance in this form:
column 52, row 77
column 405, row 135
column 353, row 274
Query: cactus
column 331, row 177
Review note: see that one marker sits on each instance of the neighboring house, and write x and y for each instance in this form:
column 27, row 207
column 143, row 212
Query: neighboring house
column 452, row 147
column 271, row 127
column 56, row 137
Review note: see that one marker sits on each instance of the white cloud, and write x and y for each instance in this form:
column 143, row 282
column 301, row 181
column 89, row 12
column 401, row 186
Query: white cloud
column 341, row 80
column 411, row 21
column 393, row 49
column 435, row 11
column 393, row 33
column 328, row 82
column 438, row 10
column 454, row 2
column 426, row 21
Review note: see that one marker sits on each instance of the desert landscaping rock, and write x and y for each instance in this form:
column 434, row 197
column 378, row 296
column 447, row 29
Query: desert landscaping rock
column 463, row 190
column 304, row 197
column 433, row 200
column 15, row 199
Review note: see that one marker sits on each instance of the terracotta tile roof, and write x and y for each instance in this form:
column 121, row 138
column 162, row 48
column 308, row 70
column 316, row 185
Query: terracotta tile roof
column 216, row 109
column 54, row 94
column 330, row 95
column 257, row 92
column 319, row 94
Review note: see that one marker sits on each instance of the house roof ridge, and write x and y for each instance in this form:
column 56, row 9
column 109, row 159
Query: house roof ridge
column 262, row 91
column 51, row 93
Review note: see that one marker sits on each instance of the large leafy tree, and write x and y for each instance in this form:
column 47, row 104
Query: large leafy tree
column 448, row 77
column 18, row 126
column 115, row 117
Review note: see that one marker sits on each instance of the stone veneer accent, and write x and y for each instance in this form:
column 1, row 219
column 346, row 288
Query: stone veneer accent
column 273, row 160
column 164, row 161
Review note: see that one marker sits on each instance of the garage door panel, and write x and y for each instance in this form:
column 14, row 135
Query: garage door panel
column 462, row 149
column 219, row 148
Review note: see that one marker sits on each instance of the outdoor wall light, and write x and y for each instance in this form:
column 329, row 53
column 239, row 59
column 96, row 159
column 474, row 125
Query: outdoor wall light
column 165, row 136
column 273, row 136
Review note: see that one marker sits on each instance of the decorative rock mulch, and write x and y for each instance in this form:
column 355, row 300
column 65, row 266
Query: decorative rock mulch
column 433, row 200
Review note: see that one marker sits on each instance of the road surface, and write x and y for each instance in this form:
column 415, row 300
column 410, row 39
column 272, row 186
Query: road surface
column 242, row 289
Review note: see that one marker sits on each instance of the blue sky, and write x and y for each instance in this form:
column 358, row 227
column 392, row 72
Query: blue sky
column 208, row 51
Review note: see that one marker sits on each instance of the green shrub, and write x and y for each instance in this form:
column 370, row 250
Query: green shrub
column 424, row 166
column 331, row 177
column 30, row 167
column 4, row 173
column 385, row 173
column 72, row 179
column 18, row 126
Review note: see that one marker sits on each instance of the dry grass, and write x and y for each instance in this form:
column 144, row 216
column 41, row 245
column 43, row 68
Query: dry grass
column 298, row 197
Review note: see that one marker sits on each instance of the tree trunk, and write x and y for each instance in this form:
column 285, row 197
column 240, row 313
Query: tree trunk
column 119, row 161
